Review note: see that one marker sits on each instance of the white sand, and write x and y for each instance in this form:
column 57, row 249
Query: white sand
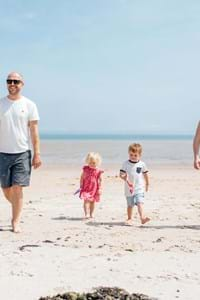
column 160, row 260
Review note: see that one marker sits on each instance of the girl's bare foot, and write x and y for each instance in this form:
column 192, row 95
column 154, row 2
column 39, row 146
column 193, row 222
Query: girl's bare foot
column 145, row 220
column 15, row 227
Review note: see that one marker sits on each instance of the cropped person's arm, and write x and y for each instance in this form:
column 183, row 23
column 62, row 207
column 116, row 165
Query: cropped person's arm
column 196, row 145
column 146, row 178
column 34, row 132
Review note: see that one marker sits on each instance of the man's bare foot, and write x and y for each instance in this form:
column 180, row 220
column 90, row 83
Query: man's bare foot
column 129, row 222
column 15, row 227
column 145, row 220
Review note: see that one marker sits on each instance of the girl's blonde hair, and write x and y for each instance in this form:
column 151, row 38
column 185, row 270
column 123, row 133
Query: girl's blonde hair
column 92, row 156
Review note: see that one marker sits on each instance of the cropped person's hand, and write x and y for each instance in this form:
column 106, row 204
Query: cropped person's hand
column 36, row 162
column 197, row 163
column 146, row 187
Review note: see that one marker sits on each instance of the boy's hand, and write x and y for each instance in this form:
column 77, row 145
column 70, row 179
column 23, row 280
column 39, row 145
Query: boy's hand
column 123, row 175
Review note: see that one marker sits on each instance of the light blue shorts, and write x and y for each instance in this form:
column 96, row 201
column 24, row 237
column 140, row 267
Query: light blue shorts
column 135, row 200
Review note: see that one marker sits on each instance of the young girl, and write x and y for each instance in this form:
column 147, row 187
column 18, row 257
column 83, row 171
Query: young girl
column 90, row 183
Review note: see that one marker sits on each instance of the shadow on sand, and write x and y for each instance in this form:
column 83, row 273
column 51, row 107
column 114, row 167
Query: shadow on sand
column 61, row 218
column 111, row 224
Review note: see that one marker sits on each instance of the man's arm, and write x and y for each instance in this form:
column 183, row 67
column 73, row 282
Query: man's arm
column 196, row 145
column 36, row 162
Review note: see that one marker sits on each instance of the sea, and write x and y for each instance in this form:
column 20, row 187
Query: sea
column 71, row 149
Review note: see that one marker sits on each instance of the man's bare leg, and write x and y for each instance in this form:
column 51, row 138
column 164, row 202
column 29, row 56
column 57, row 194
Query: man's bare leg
column 17, row 204
column 8, row 193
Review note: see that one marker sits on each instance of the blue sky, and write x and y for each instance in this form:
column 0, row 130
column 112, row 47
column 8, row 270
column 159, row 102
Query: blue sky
column 105, row 65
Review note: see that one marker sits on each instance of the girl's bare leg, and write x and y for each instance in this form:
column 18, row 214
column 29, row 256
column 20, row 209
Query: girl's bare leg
column 92, row 206
column 86, row 209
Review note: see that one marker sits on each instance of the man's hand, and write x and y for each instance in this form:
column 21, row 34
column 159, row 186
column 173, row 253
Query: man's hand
column 197, row 163
column 36, row 162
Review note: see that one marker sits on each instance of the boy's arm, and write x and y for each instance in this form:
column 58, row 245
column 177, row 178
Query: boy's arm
column 146, row 179
column 196, row 145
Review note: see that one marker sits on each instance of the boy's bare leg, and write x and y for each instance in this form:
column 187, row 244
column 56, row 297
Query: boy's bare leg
column 129, row 212
column 141, row 213
column 129, row 215
column 8, row 193
column 17, row 204
column 92, row 206
column 86, row 209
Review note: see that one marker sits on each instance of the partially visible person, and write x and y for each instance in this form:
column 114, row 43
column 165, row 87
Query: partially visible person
column 18, row 130
column 136, row 181
column 196, row 146
column 91, row 183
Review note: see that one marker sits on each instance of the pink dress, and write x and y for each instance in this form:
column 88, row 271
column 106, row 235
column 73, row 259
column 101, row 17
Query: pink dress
column 90, row 186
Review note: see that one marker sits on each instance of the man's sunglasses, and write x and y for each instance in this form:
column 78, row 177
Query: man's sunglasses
column 15, row 81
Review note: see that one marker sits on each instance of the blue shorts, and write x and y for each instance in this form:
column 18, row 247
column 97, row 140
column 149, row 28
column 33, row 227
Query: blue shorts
column 135, row 200
column 15, row 169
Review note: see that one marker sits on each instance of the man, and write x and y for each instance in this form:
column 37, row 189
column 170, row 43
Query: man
column 18, row 128
column 196, row 146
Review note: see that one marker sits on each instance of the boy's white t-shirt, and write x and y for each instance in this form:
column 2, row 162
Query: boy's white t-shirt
column 14, row 124
column 135, row 171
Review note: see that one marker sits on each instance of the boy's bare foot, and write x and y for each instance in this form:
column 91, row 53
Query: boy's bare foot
column 86, row 217
column 145, row 220
column 129, row 222
column 15, row 227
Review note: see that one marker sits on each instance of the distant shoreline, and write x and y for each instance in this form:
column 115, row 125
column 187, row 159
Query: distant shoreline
column 83, row 137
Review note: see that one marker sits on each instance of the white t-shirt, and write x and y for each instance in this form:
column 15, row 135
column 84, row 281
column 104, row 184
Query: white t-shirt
column 135, row 171
column 14, row 124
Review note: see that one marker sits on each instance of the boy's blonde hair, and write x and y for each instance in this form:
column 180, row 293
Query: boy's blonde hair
column 93, row 156
column 135, row 148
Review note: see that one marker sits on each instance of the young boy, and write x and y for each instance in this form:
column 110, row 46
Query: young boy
column 135, row 175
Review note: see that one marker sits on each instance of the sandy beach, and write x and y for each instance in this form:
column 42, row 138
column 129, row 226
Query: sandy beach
column 59, row 252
